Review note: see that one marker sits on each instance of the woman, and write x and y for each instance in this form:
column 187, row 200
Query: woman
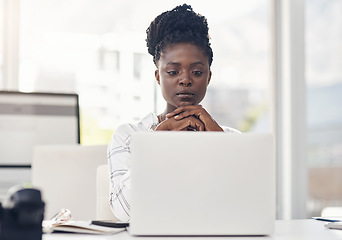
column 178, row 40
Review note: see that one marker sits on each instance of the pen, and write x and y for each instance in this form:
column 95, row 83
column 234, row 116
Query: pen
column 326, row 219
column 110, row 224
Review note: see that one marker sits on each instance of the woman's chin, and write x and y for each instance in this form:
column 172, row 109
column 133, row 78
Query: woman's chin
column 184, row 103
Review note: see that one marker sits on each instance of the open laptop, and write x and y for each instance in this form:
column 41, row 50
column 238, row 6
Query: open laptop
column 202, row 183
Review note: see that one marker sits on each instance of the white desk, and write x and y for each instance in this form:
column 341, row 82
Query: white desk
column 284, row 230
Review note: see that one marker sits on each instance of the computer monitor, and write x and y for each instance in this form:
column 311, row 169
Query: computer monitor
column 29, row 119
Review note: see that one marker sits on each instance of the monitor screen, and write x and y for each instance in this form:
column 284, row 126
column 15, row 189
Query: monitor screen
column 29, row 119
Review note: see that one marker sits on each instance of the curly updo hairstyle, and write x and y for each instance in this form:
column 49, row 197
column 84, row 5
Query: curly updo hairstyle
column 180, row 25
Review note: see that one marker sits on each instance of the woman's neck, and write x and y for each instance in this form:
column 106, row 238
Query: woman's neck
column 161, row 117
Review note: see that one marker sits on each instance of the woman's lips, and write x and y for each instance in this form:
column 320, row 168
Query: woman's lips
column 185, row 94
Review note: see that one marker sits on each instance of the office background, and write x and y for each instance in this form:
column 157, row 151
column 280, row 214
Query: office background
column 277, row 68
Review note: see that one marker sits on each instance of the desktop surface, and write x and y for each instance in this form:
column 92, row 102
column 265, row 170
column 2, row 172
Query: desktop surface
column 307, row 229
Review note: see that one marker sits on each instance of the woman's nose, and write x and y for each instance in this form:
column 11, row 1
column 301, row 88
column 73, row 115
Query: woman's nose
column 184, row 81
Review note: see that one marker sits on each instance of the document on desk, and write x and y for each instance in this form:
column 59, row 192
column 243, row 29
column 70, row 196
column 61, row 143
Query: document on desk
column 79, row 227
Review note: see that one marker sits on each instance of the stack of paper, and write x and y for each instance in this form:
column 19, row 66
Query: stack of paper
column 79, row 227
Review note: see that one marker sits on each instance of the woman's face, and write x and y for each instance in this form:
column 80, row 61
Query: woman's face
column 183, row 74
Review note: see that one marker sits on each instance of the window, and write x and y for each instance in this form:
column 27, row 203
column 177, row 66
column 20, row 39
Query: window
column 239, row 90
column 102, row 56
column 324, row 115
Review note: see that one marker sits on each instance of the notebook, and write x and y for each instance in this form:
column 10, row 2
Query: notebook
column 202, row 183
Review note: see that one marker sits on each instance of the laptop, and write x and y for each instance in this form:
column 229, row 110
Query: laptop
column 202, row 183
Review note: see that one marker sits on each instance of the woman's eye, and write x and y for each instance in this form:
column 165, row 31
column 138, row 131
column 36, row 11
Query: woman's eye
column 197, row 73
column 172, row 73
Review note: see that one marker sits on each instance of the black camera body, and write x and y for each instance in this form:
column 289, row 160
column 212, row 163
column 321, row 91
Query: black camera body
column 21, row 215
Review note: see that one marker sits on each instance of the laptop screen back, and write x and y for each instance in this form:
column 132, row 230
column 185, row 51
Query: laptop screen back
column 202, row 183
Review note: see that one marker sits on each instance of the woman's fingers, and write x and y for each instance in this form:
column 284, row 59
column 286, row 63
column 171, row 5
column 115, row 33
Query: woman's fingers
column 171, row 124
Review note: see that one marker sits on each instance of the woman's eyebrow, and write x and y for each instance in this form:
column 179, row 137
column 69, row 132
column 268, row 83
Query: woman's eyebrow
column 178, row 64
column 173, row 63
column 196, row 63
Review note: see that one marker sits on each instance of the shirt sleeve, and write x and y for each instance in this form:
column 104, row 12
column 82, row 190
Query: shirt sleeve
column 229, row 130
column 119, row 158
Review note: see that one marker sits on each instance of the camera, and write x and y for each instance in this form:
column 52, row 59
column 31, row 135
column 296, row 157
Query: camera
column 21, row 214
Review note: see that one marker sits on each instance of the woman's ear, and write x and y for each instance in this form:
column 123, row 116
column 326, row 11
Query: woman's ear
column 156, row 74
column 209, row 77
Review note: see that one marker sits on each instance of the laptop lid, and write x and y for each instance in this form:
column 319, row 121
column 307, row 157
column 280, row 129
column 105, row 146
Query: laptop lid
column 202, row 183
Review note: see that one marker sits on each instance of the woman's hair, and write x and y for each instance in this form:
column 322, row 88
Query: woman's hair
column 180, row 25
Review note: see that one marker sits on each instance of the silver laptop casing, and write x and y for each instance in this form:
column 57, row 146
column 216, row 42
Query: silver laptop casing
column 202, row 183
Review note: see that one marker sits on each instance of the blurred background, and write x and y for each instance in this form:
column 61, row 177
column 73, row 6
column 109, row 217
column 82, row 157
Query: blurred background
column 97, row 49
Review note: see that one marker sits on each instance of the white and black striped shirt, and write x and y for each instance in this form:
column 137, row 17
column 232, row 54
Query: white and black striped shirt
column 118, row 155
